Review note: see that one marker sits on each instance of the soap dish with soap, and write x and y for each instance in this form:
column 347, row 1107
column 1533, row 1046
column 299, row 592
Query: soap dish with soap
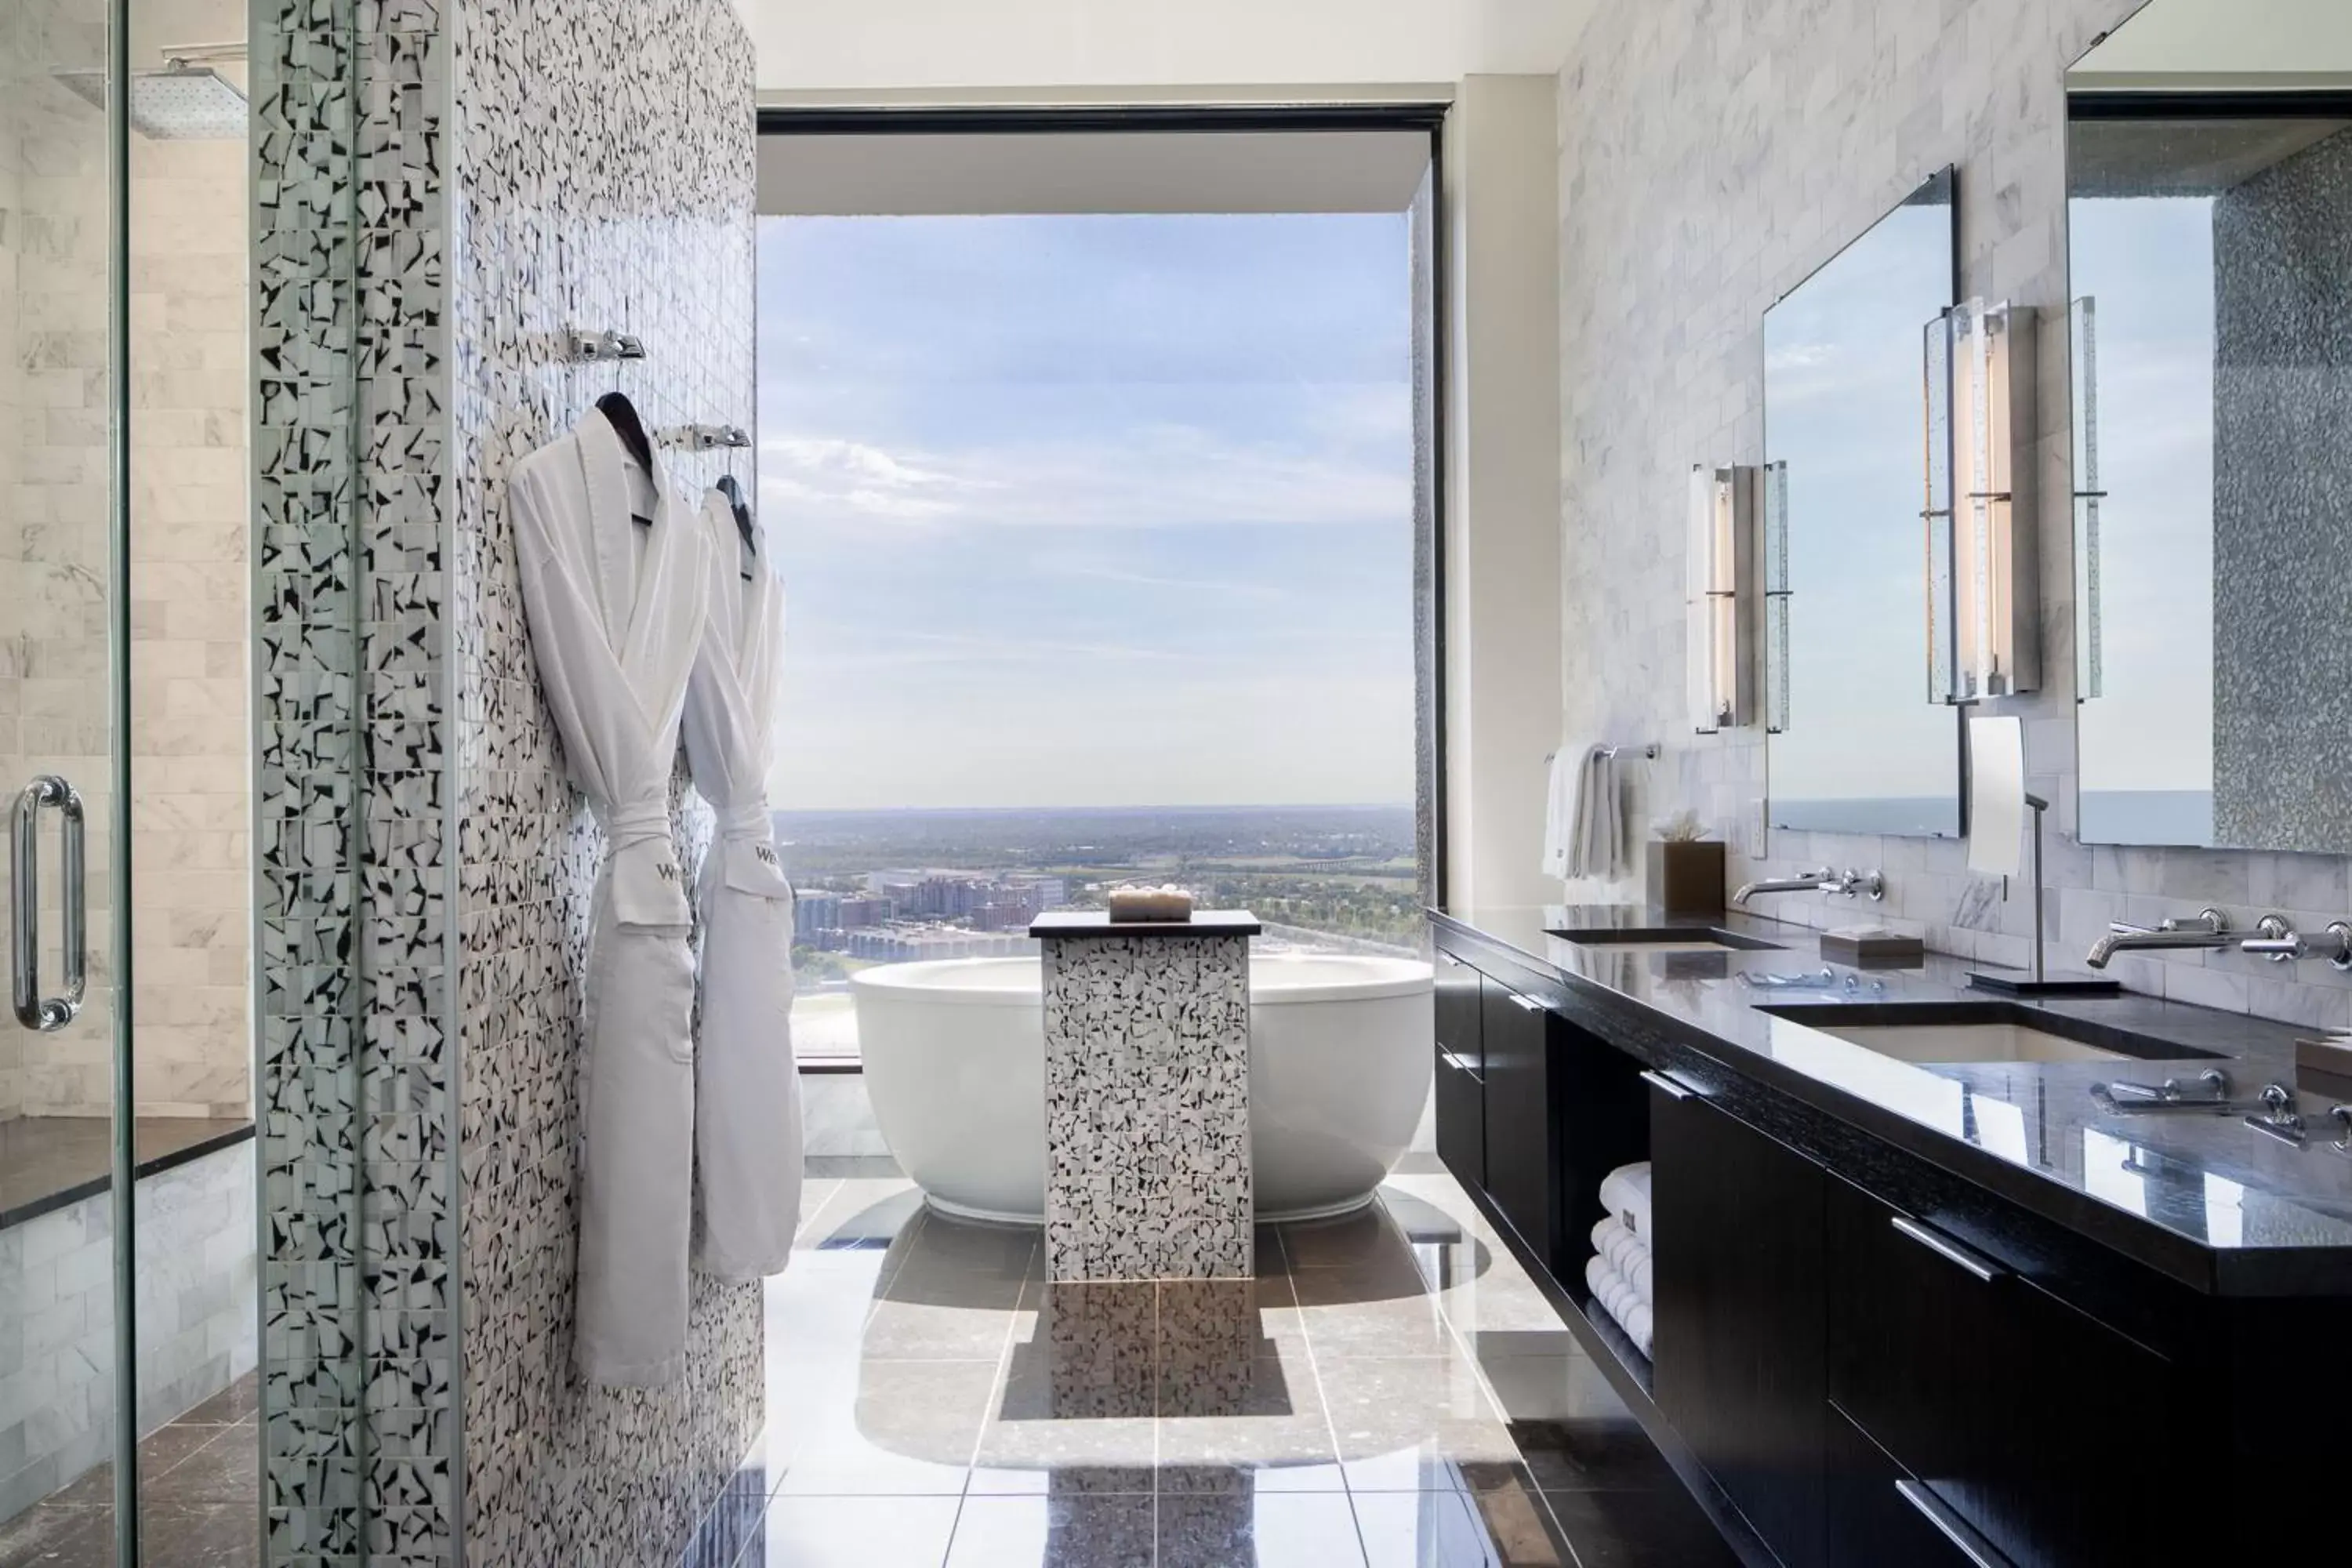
column 1159, row 905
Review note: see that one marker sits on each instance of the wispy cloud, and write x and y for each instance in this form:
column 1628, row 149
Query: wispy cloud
column 1154, row 475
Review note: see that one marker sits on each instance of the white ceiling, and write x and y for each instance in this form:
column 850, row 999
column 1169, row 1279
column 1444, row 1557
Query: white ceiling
column 2195, row 43
column 944, row 48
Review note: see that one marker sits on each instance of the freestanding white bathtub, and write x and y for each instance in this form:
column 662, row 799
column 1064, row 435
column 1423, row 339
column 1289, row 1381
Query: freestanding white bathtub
column 955, row 1063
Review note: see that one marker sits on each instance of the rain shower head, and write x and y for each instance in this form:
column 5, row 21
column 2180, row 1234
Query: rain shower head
column 180, row 102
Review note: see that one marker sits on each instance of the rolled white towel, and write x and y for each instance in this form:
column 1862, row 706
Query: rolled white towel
column 1597, row 1275
column 1625, row 1193
column 1623, row 1251
column 1642, row 1278
column 1609, row 1227
column 1638, row 1324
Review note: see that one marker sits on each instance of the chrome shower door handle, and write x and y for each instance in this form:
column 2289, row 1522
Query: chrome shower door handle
column 34, row 1010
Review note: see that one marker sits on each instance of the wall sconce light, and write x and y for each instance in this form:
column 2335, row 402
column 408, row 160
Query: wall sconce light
column 1718, row 606
column 1984, row 600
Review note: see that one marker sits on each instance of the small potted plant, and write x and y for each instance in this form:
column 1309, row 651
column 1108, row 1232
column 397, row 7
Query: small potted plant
column 1685, row 869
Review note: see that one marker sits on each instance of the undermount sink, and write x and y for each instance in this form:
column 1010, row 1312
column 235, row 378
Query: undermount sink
column 1666, row 939
column 1969, row 1032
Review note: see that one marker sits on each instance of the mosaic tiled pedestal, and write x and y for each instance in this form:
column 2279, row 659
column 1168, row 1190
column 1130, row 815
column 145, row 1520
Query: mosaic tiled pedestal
column 1147, row 1098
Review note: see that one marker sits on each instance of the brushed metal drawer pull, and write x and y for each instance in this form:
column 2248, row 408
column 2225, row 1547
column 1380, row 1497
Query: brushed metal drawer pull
column 1951, row 1252
column 1970, row 1544
column 1528, row 1004
column 1667, row 1086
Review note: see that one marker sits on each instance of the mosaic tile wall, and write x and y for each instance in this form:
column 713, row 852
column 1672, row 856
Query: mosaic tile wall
column 1147, row 1107
column 444, row 187
column 590, row 194
column 308, row 829
column 1710, row 158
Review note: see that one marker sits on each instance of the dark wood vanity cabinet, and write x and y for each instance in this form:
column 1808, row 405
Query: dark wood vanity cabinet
column 2055, row 1438
column 1875, row 1514
column 1522, row 1146
column 1739, row 1312
column 1461, row 1083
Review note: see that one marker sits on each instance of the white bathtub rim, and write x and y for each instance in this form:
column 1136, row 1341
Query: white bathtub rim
column 970, row 1214
column 921, row 979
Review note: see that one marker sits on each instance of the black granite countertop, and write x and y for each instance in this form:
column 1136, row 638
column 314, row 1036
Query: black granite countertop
column 2204, row 1198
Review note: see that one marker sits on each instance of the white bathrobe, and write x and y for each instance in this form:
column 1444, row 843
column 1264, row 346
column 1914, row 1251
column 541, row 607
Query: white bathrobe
column 747, row 1126
column 616, row 611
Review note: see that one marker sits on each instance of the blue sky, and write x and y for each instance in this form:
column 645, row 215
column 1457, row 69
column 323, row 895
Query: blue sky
column 1090, row 511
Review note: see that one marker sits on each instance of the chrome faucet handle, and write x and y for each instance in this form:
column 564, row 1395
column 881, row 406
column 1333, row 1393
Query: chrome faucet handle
column 2215, row 921
column 1854, row 883
column 2280, row 942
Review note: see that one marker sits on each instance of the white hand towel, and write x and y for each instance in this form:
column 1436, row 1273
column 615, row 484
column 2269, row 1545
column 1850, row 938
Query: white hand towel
column 1595, row 841
column 1609, row 1227
column 1641, row 1280
column 1597, row 1275
column 1559, row 812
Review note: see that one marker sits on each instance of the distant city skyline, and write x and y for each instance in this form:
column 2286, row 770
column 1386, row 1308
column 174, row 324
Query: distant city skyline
column 1095, row 511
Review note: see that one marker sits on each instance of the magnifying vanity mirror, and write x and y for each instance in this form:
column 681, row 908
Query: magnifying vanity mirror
column 1855, row 744
column 2210, row 224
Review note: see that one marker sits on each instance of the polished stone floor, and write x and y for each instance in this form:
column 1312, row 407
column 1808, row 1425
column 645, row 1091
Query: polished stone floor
column 1391, row 1392
column 199, row 1486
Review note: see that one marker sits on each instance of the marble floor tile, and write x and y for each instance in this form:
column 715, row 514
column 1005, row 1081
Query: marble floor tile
column 853, row 1533
column 1519, row 1520
column 1275, row 1438
column 1422, row 1530
column 1369, row 1311
column 1560, row 1383
column 1116, row 1454
column 932, row 1397
column 1638, row 1530
column 1059, row 1531
column 910, row 1427
column 1411, row 1423
column 1367, row 1236
column 1299, row 1530
column 214, row 1535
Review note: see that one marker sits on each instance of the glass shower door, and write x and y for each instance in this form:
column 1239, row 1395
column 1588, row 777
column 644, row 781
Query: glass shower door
column 128, row 1317
column 65, row 1155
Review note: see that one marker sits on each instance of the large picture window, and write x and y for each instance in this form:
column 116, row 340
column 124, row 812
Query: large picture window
column 1098, row 528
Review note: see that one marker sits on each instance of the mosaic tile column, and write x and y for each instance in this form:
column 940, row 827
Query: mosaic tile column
column 1147, row 1098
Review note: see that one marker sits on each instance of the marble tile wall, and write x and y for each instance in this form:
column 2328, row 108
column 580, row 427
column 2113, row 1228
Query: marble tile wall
column 188, row 567
column 195, row 1230
column 1711, row 156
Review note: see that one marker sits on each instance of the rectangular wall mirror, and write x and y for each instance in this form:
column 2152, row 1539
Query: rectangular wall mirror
column 1856, row 744
column 2209, row 243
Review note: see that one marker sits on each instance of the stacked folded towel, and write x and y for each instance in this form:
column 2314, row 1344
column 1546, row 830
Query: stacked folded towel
column 1620, row 1272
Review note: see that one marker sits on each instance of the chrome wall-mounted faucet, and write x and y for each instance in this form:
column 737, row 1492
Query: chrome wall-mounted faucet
column 2280, row 942
column 1828, row 879
column 2210, row 929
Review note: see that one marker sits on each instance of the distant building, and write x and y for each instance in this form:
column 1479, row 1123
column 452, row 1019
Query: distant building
column 816, row 911
column 905, row 941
